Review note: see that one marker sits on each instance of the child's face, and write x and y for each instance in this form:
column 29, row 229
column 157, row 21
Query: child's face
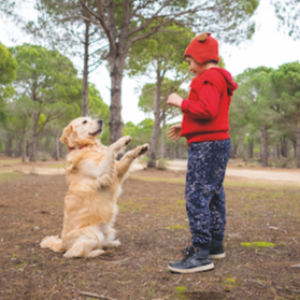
column 194, row 66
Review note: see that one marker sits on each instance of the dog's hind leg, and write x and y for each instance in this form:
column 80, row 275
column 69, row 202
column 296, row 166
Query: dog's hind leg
column 52, row 242
column 113, row 244
column 96, row 253
column 124, row 164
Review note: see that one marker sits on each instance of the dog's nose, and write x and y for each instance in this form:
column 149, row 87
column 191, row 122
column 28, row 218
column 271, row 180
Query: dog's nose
column 100, row 121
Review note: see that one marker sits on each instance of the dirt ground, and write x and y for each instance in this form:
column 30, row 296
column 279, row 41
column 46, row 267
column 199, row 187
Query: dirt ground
column 153, row 228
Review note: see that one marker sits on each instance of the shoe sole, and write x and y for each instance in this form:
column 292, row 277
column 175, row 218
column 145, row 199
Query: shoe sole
column 217, row 256
column 194, row 270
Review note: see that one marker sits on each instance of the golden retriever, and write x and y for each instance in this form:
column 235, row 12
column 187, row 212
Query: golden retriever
column 94, row 179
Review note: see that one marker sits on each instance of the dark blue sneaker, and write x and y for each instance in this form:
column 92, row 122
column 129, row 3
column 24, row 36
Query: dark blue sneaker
column 196, row 260
column 216, row 251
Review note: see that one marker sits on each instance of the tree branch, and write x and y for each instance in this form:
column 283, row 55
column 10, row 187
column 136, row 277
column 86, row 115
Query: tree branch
column 149, row 20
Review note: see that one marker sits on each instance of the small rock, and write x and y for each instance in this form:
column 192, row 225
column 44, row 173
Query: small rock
column 36, row 228
column 296, row 266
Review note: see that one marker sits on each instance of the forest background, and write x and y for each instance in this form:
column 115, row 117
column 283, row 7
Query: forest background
column 42, row 86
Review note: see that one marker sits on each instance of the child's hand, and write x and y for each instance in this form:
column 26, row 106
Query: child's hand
column 174, row 132
column 174, row 100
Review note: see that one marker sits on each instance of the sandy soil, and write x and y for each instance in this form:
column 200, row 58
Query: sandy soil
column 153, row 228
column 280, row 176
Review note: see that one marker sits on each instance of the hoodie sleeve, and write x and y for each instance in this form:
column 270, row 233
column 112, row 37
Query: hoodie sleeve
column 206, row 107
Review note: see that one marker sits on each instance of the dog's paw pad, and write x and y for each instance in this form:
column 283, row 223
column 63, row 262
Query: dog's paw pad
column 128, row 140
column 144, row 149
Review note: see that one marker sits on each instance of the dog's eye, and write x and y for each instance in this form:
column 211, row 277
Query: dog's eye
column 84, row 122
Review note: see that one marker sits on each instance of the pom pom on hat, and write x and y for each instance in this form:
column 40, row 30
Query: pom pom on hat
column 203, row 48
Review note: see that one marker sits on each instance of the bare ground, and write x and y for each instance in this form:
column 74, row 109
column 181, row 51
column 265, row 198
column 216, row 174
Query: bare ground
column 153, row 228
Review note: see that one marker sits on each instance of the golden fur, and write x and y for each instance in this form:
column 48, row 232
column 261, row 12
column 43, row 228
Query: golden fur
column 94, row 179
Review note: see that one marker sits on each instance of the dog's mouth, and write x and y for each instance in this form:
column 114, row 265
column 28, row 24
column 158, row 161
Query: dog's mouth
column 96, row 132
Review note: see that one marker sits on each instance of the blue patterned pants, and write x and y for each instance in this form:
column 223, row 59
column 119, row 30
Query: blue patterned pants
column 204, row 192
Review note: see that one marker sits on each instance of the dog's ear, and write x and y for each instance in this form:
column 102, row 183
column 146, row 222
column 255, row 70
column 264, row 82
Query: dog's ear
column 67, row 137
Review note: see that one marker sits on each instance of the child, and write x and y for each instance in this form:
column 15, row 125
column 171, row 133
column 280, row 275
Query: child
column 205, row 125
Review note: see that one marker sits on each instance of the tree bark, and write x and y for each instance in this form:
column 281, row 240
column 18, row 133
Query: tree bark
column 155, row 132
column 47, row 142
column 84, row 107
column 17, row 147
column 162, row 138
column 298, row 146
column 32, row 155
column 243, row 149
column 283, row 143
column 115, row 120
column 298, row 136
column 8, row 147
column 24, row 146
column 56, row 145
column 233, row 150
column 250, row 148
column 264, row 146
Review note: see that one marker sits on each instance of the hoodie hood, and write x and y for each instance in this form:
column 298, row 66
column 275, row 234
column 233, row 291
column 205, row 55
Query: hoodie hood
column 231, row 85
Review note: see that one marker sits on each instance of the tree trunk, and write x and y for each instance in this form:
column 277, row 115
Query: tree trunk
column 163, row 137
column 32, row 155
column 56, row 145
column 115, row 119
column 250, row 149
column 24, row 146
column 233, row 150
column 155, row 132
column 84, row 107
column 243, row 149
column 17, row 147
column 8, row 147
column 264, row 146
column 47, row 142
column 283, row 143
column 298, row 146
column 298, row 136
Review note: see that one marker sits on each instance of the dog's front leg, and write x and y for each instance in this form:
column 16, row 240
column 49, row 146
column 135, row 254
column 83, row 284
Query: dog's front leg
column 106, row 163
column 124, row 164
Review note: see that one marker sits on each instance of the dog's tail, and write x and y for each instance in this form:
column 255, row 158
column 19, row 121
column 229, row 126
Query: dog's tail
column 52, row 242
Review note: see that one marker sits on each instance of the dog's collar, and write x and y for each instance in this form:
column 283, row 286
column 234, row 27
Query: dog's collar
column 73, row 148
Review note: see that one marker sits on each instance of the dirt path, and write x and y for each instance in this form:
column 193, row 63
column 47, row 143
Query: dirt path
column 58, row 168
column 262, row 243
column 266, row 174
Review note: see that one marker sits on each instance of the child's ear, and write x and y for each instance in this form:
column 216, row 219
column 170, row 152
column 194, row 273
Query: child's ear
column 67, row 137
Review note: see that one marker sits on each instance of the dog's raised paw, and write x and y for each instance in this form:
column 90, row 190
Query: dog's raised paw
column 128, row 140
column 144, row 149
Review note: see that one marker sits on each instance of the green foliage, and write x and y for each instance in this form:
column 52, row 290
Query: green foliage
column 140, row 133
column 147, row 97
column 8, row 66
column 49, row 80
column 288, row 16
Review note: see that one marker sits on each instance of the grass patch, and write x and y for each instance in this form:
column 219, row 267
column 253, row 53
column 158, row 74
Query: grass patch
column 158, row 179
column 59, row 166
column 258, row 245
column 10, row 161
column 176, row 227
column 8, row 176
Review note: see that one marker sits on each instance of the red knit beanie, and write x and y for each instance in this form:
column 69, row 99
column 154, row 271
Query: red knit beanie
column 203, row 48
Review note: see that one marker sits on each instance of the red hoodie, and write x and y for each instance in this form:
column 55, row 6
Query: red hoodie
column 206, row 109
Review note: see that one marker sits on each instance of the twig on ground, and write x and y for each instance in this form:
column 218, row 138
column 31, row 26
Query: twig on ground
column 295, row 241
column 120, row 261
column 95, row 295
column 176, row 282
